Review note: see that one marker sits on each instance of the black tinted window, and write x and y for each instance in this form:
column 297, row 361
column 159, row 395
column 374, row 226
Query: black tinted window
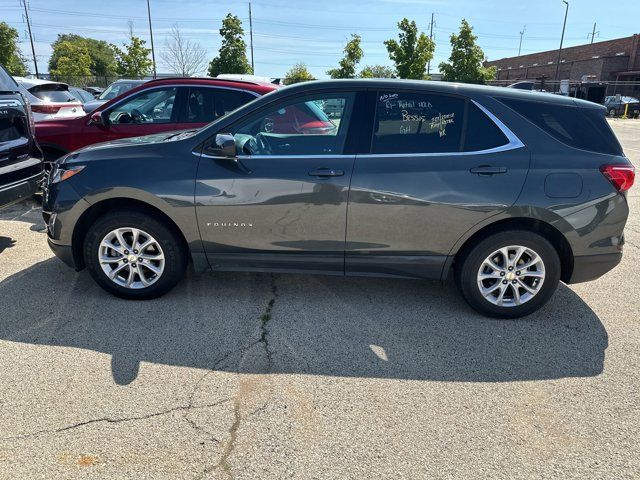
column 51, row 93
column 207, row 104
column 582, row 128
column 482, row 133
column 417, row 123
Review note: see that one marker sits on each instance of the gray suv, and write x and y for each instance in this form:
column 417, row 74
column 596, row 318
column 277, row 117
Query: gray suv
column 507, row 191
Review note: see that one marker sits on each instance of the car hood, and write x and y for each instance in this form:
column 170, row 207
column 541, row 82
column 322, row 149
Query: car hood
column 91, row 105
column 80, row 155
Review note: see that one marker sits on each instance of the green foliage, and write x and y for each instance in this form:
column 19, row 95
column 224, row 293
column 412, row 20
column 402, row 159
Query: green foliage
column 377, row 71
column 352, row 56
column 465, row 62
column 103, row 62
column 134, row 60
column 232, row 56
column 73, row 63
column 411, row 52
column 10, row 56
column 297, row 74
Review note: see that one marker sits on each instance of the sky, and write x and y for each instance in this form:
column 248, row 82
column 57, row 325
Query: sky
column 314, row 32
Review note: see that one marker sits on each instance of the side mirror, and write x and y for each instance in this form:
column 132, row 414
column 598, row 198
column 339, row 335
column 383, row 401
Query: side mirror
column 97, row 119
column 224, row 146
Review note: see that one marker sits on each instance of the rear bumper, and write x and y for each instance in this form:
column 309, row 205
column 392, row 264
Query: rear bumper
column 590, row 267
column 14, row 185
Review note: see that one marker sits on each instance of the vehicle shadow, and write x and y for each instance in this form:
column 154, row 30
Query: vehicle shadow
column 354, row 327
column 6, row 242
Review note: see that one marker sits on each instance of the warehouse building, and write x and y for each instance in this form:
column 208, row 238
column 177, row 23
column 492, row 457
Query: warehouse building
column 615, row 61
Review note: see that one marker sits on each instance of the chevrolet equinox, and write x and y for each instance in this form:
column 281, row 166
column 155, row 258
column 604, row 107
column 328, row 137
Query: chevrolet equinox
column 508, row 191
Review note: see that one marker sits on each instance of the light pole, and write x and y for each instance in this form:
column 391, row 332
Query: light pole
column 153, row 51
column 564, row 25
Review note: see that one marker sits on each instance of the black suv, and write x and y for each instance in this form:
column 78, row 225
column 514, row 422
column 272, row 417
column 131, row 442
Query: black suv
column 20, row 159
column 508, row 191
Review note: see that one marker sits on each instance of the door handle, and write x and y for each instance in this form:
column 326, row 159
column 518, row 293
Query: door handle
column 488, row 170
column 326, row 172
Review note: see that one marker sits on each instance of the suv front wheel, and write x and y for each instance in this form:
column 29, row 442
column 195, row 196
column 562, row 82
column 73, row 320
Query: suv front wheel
column 134, row 255
column 508, row 274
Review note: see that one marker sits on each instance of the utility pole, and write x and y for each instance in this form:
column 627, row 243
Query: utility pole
column 251, row 38
column 430, row 38
column 594, row 33
column 153, row 52
column 33, row 50
column 524, row 29
column 564, row 25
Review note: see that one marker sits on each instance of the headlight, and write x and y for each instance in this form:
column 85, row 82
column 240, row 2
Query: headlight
column 64, row 172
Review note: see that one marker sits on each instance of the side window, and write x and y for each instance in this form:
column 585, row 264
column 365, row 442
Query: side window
column 482, row 133
column 152, row 106
column 417, row 123
column 314, row 125
column 206, row 104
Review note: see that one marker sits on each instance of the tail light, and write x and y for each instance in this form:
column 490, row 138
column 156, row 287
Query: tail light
column 621, row 176
column 47, row 109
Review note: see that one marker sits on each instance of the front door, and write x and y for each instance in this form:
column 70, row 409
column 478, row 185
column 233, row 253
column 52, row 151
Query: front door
column 438, row 165
column 147, row 112
column 283, row 204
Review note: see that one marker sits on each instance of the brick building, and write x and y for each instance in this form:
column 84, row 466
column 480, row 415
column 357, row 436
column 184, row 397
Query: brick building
column 609, row 61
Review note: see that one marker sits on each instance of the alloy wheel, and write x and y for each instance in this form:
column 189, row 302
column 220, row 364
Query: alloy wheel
column 511, row 276
column 131, row 258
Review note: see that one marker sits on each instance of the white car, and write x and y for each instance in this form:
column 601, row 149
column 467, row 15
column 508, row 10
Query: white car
column 50, row 100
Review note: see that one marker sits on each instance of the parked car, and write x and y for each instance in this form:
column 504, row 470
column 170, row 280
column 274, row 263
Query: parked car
column 20, row 160
column 508, row 192
column 83, row 96
column 114, row 90
column 165, row 105
column 50, row 100
column 95, row 91
column 616, row 105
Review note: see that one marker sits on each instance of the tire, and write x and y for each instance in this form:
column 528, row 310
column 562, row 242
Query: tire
column 612, row 112
column 165, row 255
column 525, row 291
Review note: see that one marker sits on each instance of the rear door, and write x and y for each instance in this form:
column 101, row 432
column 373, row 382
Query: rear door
column 437, row 166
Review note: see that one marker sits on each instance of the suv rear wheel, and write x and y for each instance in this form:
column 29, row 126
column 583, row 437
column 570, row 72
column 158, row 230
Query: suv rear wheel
column 133, row 255
column 509, row 274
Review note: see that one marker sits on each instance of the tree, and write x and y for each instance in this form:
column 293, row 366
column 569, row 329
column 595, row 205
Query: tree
column 411, row 52
column 352, row 56
column 103, row 62
column 465, row 62
column 232, row 56
column 134, row 60
column 10, row 55
column 181, row 55
column 73, row 64
column 297, row 74
column 377, row 71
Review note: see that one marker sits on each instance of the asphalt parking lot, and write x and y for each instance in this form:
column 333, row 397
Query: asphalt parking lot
column 237, row 375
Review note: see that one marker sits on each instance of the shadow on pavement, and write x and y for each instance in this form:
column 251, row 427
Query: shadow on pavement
column 380, row 328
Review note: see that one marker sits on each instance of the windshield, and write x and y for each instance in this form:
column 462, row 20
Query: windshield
column 7, row 83
column 114, row 90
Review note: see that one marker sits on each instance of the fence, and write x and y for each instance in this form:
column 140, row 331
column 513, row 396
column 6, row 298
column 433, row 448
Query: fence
column 628, row 88
column 102, row 81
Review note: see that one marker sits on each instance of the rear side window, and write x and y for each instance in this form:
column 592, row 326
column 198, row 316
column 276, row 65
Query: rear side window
column 482, row 133
column 409, row 122
column 52, row 93
column 206, row 104
column 582, row 128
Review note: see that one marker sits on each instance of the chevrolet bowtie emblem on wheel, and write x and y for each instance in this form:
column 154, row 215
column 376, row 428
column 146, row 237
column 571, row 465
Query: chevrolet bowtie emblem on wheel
column 229, row 224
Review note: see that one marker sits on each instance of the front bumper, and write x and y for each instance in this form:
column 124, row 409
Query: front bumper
column 20, row 180
column 590, row 267
column 63, row 252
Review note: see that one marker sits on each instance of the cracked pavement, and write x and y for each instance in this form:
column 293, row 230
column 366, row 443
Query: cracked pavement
column 243, row 376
